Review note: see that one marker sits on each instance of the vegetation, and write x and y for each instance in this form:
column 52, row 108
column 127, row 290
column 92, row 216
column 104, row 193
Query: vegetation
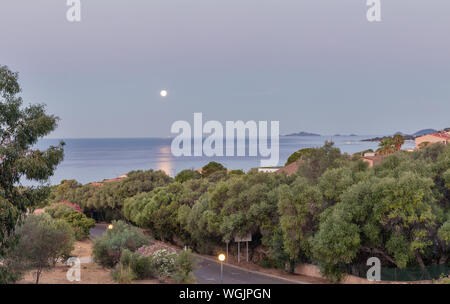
column 105, row 202
column 71, row 213
column 108, row 248
column 184, row 267
column 42, row 242
column 333, row 212
column 155, row 262
column 297, row 155
column 211, row 168
column 186, row 175
column 391, row 144
column 20, row 129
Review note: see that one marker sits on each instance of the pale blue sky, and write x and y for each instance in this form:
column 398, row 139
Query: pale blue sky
column 314, row 65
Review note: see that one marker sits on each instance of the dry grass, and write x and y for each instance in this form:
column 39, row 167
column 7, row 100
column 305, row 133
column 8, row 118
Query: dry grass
column 91, row 273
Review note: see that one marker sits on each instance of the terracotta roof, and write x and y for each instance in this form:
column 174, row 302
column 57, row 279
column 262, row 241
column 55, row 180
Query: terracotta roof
column 443, row 135
column 109, row 180
column 289, row 169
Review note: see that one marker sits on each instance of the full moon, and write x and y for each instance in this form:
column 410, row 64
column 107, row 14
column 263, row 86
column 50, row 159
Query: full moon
column 163, row 93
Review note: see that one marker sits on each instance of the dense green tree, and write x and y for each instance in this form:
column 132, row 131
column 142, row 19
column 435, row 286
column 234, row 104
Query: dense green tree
column 317, row 160
column 20, row 129
column 297, row 155
column 389, row 217
column 104, row 201
column 186, row 175
column 211, row 168
column 299, row 207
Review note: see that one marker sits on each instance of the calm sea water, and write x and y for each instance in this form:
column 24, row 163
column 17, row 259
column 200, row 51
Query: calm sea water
column 88, row 160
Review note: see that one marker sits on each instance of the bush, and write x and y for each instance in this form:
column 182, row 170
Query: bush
column 123, row 274
column 155, row 261
column 163, row 261
column 108, row 248
column 80, row 223
column 141, row 265
column 73, row 215
column 184, row 266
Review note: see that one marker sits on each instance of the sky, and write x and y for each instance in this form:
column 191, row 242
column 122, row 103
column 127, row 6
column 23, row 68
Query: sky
column 313, row 65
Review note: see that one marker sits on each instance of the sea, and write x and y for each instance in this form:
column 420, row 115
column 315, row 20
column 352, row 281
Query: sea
column 90, row 160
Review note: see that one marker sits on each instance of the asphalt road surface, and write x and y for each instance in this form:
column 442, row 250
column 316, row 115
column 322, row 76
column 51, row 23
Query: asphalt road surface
column 208, row 271
column 97, row 230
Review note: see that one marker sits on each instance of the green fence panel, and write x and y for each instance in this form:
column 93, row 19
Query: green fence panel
column 431, row 272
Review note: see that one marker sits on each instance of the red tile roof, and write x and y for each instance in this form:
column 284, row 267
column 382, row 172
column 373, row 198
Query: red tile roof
column 443, row 135
column 111, row 180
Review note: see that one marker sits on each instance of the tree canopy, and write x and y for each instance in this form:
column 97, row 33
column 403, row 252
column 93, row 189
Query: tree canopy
column 20, row 129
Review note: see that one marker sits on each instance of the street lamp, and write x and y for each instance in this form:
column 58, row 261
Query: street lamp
column 110, row 227
column 221, row 257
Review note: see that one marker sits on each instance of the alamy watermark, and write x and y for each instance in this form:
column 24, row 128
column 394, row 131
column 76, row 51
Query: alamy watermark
column 374, row 272
column 374, row 11
column 74, row 272
column 74, row 12
column 223, row 142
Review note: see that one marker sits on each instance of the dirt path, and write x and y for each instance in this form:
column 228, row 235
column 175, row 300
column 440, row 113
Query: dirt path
column 91, row 273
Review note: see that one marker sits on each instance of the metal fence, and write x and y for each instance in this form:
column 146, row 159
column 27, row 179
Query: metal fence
column 431, row 272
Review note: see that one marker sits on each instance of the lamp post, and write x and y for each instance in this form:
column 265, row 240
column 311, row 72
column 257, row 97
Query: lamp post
column 221, row 257
column 110, row 227
column 227, row 242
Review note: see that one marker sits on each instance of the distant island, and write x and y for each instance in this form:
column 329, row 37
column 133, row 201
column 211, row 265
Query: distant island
column 303, row 134
column 338, row 135
column 424, row 132
column 375, row 139
column 406, row 136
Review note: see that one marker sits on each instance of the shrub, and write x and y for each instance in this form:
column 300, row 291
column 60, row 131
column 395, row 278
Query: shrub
column 66, row 204
column 155, row 261
column 80, row 223
column 140, row 265
column 163, row 261
column 108, row 248
column 73, row 215
column 184, row 266
column 123, row 274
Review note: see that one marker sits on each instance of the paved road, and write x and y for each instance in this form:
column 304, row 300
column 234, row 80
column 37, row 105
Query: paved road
column 208, row 271
column 97, row 230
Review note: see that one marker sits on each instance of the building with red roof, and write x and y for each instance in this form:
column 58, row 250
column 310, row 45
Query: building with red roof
column 437, row 137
